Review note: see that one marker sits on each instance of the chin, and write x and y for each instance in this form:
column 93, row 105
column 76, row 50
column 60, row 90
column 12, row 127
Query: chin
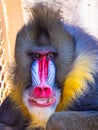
column 40, row 109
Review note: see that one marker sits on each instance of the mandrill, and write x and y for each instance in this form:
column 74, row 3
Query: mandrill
column 55, row 78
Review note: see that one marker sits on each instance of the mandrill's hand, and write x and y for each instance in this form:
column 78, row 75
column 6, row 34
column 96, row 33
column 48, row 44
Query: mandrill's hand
column 72, row 120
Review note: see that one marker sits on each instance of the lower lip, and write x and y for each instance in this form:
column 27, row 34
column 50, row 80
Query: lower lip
column 33, row 103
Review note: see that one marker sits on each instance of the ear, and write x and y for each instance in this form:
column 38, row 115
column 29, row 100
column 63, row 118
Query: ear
column 8, row 114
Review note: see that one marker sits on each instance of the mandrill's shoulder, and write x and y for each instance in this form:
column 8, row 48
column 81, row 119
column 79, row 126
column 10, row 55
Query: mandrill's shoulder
column 87, row 101
column 10, row 117
column 8, row 114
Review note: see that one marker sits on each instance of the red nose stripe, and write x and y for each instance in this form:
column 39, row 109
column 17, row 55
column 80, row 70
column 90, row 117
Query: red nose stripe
column 43, row 69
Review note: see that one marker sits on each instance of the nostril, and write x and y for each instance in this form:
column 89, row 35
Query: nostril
column 39, row 89
column 40, row 92
column 47, row 90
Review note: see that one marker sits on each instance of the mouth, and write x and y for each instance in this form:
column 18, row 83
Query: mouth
column 42, row 102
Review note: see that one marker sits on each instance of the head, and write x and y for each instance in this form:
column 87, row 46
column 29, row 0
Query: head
column 44, row 53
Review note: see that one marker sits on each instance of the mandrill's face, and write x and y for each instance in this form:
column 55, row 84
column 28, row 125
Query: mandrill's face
column 42, row 96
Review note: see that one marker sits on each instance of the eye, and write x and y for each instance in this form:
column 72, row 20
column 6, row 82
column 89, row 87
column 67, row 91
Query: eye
column 51, row 56
column 36, row 56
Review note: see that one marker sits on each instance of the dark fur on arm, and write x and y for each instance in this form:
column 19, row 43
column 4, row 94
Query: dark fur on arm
column 72, row 120
column 10, row 117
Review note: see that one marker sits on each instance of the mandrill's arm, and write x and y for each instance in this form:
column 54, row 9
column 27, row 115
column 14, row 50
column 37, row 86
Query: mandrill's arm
column 71, row 120
column 10, row 117
column 5, row 127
